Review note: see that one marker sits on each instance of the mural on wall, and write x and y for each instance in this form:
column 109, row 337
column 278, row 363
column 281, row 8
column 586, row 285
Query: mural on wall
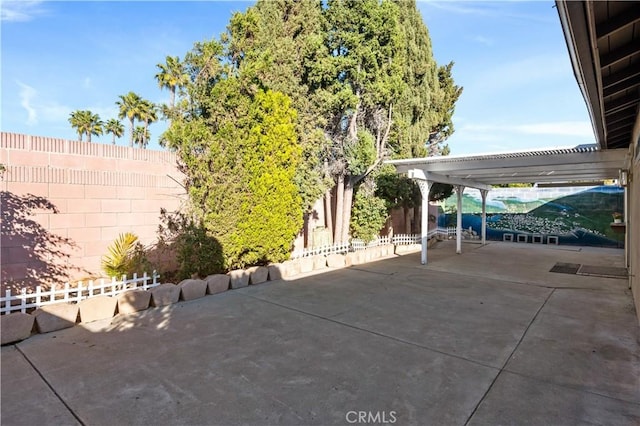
column 576, row 215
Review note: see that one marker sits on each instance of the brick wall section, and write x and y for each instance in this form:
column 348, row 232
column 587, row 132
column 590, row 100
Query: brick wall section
column 98, row 190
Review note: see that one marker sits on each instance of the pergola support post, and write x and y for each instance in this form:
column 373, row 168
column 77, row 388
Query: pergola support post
column 459, row 190
column 425, row 188
column 483, row 193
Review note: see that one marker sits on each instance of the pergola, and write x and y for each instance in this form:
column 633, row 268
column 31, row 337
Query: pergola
column 583, row 163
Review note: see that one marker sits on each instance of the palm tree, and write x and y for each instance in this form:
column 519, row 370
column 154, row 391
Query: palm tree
column 86, row 122
column 148, row 114
column 141, row 136
column 129, row 105
column 114, row 127
column 171, row 76
column 75, row 119
column 94, row 126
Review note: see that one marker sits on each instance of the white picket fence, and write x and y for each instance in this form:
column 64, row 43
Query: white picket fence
column 340, row 248
column 357, row 244
column 24, row 300
column 406, row 239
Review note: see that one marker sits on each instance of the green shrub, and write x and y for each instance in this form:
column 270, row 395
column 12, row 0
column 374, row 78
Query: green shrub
column 196, row 252
column 368, row 216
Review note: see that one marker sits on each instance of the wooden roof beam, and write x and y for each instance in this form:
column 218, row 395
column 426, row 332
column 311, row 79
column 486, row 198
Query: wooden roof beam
column 617, row 23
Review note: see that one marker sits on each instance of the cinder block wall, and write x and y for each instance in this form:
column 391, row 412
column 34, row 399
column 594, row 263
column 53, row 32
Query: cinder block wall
column 63, row 202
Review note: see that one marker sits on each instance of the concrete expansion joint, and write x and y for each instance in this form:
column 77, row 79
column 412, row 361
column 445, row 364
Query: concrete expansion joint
column 572, row 387
column 499, row 280
column 372, row 272
column 46, row 382
column 374, row 333
column 515, row 348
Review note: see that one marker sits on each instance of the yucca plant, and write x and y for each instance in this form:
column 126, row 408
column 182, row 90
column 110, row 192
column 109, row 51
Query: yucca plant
column 123, row 255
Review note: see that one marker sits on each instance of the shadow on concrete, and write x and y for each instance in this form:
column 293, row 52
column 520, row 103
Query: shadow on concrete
column 391, row 338
column 87, row 355
column 31, row 255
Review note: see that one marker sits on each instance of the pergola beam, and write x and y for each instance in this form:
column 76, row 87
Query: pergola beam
column 481, row 171
column 451, row 165
column 416, row 173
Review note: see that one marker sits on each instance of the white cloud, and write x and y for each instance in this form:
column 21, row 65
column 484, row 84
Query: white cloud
column 54, row 112
column 86, row 83
column 27, row 95
column 20, row 11
column 41, row 110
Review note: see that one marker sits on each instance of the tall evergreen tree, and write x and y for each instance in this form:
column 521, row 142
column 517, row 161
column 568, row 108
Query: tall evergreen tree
column 273, row 46
column 361, row 79
column 238, row 147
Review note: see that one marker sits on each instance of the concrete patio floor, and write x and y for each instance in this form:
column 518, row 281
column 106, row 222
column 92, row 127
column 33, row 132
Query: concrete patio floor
column 484, row 338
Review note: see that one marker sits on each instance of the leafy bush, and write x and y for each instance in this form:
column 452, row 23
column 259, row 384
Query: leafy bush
column 368, row 216
column 125, row 256
column 197, row 253
column 240, row 174
column 270, row 213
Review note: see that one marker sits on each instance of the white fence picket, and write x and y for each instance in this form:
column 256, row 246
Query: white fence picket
column 23, row 301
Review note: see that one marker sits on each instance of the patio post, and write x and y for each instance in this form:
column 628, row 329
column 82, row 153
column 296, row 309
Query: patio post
column 459, row 190
column 425, row 188
column 483, row 193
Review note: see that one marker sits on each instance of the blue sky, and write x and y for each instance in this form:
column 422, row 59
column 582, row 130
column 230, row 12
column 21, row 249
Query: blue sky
column 510, row 57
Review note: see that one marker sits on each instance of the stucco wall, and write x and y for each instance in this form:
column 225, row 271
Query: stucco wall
column 633, row 217
column 63, row 202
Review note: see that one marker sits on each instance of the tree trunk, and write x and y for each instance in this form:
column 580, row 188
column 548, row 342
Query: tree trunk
column 417, row 219
column 305, row 230
column 407, row 220
column 144, row 136
column 328, row 218
column 89, row 137
column 337, row 235
column 353, row 123
column 346, row 208
column 172, row 99
column 131, row 132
